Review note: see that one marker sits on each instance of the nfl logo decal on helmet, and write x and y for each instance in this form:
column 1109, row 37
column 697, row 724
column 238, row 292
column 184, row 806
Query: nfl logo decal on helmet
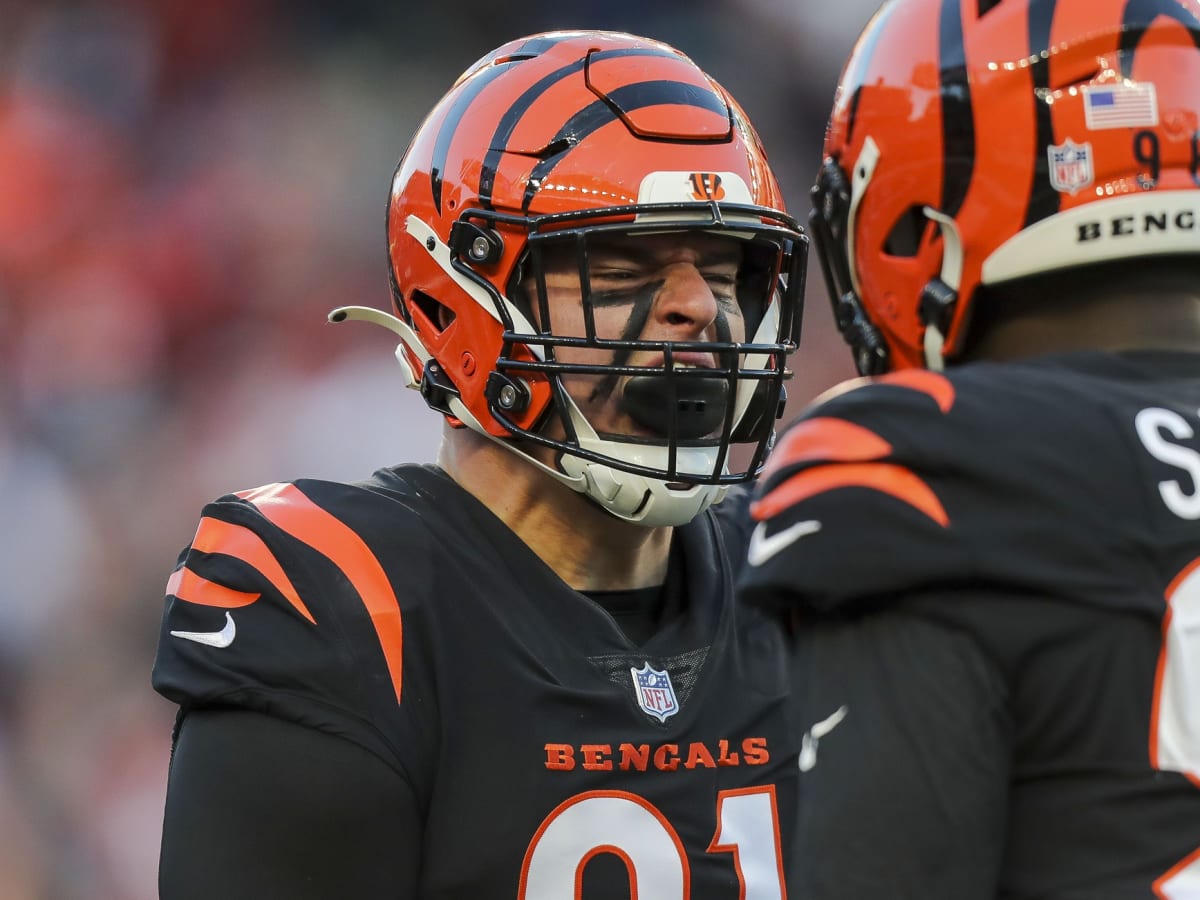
column 654, row 692
column 1070, row 166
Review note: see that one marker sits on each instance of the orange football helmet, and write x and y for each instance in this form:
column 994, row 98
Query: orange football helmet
column 974, row 142
column 553, row 142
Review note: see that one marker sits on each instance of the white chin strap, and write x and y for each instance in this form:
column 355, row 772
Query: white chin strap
column 632, row 498
column 637, row 498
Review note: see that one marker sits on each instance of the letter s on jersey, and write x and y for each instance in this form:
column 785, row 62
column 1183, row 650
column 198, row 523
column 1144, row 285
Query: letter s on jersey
column 1155, row 427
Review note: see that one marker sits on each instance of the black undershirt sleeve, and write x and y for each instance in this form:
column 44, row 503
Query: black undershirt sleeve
column 261, row 807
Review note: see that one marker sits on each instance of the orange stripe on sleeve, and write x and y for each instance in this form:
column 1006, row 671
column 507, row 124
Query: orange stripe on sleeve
column 896, row 481
column 191, row 588
column 826, row 439
column 936, row 386
column 215, row 536
column 288, row 507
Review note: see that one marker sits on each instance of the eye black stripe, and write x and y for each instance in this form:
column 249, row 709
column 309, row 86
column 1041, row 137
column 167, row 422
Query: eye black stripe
column 1042, row 203
column 513, row 115
column 958, row 122
column 628, row 98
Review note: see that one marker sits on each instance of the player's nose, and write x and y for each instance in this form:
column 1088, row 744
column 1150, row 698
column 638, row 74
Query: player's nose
column 686, row 301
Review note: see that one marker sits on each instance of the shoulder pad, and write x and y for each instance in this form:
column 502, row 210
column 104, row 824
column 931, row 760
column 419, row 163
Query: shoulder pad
column 920, row 480
column 280, row 599
column 839, row 511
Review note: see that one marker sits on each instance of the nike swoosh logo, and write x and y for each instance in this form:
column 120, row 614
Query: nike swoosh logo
column 222, row 638
column 808, row 746
column 763, row 547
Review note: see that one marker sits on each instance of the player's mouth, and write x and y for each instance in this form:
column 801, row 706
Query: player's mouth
column 688, row 360
column 695, row 404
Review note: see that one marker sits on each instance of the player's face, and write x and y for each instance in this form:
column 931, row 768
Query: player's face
column 666, row 287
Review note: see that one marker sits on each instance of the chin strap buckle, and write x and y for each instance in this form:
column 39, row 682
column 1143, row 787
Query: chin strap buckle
column 936, row 309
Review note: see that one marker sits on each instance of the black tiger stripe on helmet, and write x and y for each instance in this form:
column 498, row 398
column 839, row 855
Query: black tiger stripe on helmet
column 513, row 115
column 623, row 100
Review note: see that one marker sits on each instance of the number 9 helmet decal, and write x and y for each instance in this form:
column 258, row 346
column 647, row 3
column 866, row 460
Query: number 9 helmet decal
column 1029, row 136
column 549, row 148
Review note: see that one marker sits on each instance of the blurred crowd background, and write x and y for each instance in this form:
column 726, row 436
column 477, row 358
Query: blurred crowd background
column 186, row 188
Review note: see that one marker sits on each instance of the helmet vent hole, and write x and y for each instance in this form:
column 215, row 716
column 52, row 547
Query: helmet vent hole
column 904, row 239
column 986, row 6
column 438, row 314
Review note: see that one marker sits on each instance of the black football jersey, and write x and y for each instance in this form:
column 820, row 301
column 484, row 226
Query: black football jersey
column 996, row 579
column 551, row 757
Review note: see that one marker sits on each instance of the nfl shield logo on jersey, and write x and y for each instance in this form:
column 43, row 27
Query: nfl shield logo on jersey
column 654, row 692
column 1070, row 166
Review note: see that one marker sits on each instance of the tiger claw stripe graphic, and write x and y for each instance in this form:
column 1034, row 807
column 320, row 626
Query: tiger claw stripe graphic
column 186, row 585
column 886, row 478
column 841, row 454
column 830, row 439
column 215, row 536
column 938, row 387
column 287, row 507
column 825, row 439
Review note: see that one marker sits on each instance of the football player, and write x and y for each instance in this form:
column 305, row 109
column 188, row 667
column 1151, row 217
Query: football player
column 519, row 673
column 995, row 568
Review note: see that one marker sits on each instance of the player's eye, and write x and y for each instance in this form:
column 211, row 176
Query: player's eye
column 617, row 293
column 616, row 274
column 725, row 279
column 617, row 283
